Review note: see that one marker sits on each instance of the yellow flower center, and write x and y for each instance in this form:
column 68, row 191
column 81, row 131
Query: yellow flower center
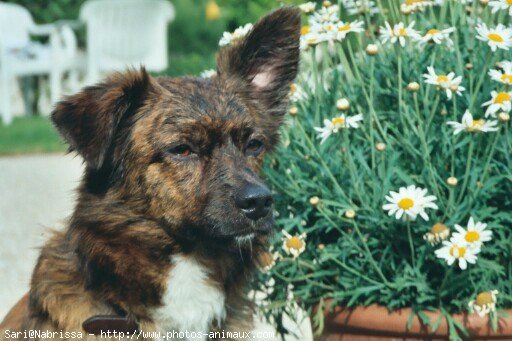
column 442, row 79
column 502, row 97
column 312, row 41
column 484, row 298
column 433, row 31
column 406, row 203
column 461, row 251
column 402, row 32
column 509, row 2
column 304, row 30
column 293, row 88
column 476, row 125
column 506, row 77
column 495, row 37
column 412, row 2
column 438, row 228
column 472, row 236
column 338, row 121
column 344, row 28
column 294, row 243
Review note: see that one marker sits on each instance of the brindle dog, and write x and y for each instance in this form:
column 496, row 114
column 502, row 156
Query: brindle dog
column 171, row 213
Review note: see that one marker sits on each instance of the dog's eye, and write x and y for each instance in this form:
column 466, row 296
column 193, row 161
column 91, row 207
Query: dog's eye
column 181, row 150
column 254, row 147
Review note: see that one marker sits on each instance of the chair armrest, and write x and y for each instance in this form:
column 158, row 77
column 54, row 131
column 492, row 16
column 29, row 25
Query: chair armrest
column 73, row 24
column 43, row 30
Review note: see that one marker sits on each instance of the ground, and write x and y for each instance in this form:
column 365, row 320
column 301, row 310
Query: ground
column 37, row 194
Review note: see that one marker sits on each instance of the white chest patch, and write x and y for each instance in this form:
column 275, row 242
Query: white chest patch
column 190, row 302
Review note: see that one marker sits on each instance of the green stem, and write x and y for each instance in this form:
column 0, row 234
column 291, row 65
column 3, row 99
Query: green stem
column 369, row 254
column 411, row 244
column 468, row 170
column 326, row 167
column 353, row 271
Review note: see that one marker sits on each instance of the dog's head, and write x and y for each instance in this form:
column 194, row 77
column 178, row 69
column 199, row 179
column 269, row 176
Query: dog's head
column 187, row 152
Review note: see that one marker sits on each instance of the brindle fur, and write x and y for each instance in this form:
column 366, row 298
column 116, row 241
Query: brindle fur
column 138, row 205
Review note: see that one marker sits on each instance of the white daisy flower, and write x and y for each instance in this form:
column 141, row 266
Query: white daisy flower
column 356, row 7
column 208, row 73
column 334, row 125
column 398, row 33
column 294, row 245
column 311, row 39
column 504, row 76
column 448, row 82
column 229, row 38
column 484, row 303
column 308, row 7
column 437, row 36
column 500, row 101
column 473, row 126
column 441, row 2
column 296, row 93
column 456, row 250
column 409, row 6
column 325, row 15
column 267, row 260
column 345, row 28
column 497, row 5
column 498, row 37
column 437, row 234
column 475, row 234
column 409, row 202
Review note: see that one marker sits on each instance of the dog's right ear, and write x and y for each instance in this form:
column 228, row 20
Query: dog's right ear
column 88, row 120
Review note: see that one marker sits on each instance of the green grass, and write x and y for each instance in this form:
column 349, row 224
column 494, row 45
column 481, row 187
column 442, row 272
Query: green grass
column 32, row 134
column 189, row 64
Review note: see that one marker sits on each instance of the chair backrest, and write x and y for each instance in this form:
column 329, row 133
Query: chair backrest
column 123, row 33
column 15, row 24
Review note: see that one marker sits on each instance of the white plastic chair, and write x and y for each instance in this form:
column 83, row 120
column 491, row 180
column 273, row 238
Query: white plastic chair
column 19, row 56
column 124, row 33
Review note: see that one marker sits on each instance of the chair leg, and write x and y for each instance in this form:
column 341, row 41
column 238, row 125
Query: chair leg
column 73, row 81
column 55, row 86
column 5, row 98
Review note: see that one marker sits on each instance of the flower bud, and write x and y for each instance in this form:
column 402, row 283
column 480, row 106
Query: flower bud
column 372, row 49
column 314, row 201
column 380, row 146
column 503, row 117
column 342, row 104
column 326, row 3
column 413, row 87
column 469, row 66
column 452, row 181
column 483, row 2
column 293, row 111
column 350, row 214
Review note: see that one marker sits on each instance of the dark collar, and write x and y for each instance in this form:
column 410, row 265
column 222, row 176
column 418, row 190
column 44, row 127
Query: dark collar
column 106, row 325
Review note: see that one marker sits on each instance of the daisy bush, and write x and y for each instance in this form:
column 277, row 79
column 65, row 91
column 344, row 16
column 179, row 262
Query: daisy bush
column 393, row 181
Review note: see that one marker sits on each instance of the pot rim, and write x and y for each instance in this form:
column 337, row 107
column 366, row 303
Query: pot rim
column 379, row 320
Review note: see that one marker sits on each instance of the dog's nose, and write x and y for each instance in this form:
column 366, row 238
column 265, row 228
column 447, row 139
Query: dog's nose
column 254, row 200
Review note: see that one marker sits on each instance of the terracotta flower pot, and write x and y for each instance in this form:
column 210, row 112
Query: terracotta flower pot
column 378, row 323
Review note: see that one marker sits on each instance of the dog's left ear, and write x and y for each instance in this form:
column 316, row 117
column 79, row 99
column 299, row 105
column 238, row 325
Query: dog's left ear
column 88, row 121
column 266, row 59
